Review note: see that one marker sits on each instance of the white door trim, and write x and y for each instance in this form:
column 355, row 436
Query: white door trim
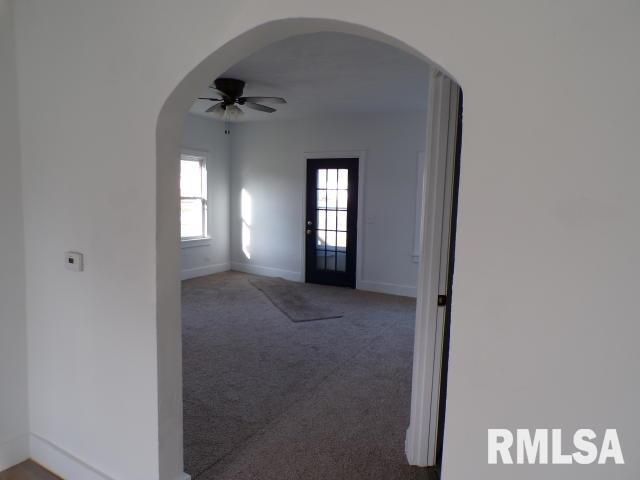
column 361, row 155
column 417, row 229
column 421, row 439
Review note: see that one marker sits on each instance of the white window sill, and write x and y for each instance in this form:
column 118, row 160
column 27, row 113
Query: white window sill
column 195, row 242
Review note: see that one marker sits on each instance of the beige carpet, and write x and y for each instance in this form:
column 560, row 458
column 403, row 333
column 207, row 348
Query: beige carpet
column 266, row 398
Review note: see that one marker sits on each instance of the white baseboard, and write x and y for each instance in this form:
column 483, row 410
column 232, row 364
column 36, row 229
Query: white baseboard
column 14, row 451
column 266, row 271
column 61, row 462
column 390, row 288
column 380, row 287
column 206, row 270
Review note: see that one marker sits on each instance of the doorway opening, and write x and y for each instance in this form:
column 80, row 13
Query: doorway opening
column 353, row 241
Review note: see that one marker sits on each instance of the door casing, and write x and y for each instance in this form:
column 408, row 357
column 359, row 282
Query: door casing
column 361, row 155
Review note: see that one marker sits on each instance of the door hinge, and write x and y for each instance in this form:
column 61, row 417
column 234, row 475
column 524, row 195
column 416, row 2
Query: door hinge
column 442, row 300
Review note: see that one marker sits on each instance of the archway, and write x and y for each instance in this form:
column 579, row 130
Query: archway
column 168, row 132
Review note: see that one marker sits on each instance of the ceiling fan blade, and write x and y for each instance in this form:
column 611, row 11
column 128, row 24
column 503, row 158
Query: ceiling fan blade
column 210, row 99
column 263, row 99
column 224, row 96
column 257, row 106
column 217, row 108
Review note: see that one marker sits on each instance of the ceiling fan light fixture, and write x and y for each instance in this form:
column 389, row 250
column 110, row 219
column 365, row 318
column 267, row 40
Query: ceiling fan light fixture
column 228, row 94
column 232, row 112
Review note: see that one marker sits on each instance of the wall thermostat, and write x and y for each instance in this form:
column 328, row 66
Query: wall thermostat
column 74, row 261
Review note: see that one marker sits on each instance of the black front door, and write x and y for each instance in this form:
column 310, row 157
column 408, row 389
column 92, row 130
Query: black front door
column 331, row 224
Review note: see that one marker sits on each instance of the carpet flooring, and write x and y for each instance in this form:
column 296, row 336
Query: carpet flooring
column 266, row 398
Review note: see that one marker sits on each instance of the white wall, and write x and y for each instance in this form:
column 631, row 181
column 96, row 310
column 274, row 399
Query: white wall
column 92, row 336
column 14, row 425
column 268, row 161
column 545, row 313
column 207, row 136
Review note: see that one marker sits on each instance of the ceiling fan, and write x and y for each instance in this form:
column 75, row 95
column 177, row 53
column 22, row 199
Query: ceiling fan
column 228, row 93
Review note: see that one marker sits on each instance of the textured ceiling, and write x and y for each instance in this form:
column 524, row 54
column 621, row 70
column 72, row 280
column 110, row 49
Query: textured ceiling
column 327, row 73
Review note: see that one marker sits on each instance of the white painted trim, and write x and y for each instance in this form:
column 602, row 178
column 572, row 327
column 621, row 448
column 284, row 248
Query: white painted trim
column 389, row 288
column 61, row 462
column 14, row 451
column 417, row 228
column 448, row 139
column 195, row 242
column 361, row 155
column 420, row 444
column 196, row 152
column 205, row 270
column 267, row 271
column 53, row 458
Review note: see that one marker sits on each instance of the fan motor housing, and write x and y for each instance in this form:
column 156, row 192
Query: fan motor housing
column 230, row 86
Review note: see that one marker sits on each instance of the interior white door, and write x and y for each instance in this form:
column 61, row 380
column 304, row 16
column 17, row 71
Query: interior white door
column 422, row 435
column 444, row 295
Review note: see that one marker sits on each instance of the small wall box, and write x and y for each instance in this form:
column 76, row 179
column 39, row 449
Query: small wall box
column 74, row 261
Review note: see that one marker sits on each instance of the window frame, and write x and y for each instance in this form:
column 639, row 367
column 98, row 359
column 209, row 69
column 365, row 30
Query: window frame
column 202, row 158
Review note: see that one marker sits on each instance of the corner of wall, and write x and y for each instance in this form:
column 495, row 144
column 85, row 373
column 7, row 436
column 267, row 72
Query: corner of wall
column 14, row 413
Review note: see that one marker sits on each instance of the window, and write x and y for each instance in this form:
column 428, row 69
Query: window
column 193, row 197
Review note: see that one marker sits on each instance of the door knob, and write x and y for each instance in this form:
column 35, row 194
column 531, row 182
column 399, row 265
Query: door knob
column 308, row 232
column 309, row 222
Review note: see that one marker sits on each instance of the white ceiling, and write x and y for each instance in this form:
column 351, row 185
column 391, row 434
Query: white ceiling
column 327, row 73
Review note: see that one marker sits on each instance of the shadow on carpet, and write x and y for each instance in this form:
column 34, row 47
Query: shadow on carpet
column 296, row 300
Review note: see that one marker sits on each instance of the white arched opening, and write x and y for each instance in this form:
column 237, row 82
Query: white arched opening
column 421, row 435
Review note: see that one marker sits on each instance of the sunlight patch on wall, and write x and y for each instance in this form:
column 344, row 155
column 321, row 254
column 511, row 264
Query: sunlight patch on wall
column 246, row 213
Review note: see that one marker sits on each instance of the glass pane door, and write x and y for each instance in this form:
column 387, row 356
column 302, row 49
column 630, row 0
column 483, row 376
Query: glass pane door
column 331, row 220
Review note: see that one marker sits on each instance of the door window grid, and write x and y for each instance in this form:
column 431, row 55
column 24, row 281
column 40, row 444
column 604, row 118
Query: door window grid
column 331, row 237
